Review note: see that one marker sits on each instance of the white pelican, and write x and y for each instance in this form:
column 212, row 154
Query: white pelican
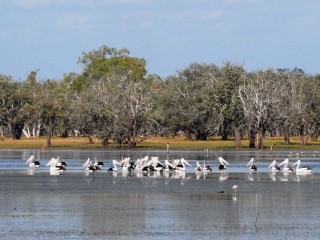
column 274, row 167
column 182, row 165
column 88, row 166
column 305, row 169
column 205, row 168
column 32, row 163
column 222, row 166
column 97, row 164
column 198, row 167
column 168, row 166
column 157, row 165
column 286, row 168
column 59, row 163
column 54, row 168
column 114, row 168
column 251, row 166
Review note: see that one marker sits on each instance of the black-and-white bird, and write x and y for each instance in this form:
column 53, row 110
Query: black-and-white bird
column 32, row 163
column 222, row 162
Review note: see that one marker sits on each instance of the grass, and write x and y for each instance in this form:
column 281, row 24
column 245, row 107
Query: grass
column 154, row 142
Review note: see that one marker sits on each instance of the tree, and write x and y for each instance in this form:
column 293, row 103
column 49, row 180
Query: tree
column 260, row 96
column 192, row 106
column 49, row 107
column 31, row 88
column 118, row 92
column 12, row 104
column 227, row 88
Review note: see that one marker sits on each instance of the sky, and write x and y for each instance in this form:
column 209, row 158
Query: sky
column 51, row 35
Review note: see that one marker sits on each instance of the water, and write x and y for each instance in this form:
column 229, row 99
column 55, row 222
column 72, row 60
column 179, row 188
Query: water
column 35, row 205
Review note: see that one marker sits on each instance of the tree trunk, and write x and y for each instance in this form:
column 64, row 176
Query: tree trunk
column 237, row 137
column 301, row 134
column 224, row 131
column 252, row 139
column 260, row 138
column 48, row 129
column 90, row 140
column 286, row 136
column 105, row 142
column 201, row 136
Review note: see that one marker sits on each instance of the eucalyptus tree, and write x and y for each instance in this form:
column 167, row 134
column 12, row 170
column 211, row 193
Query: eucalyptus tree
column 132, row 101
column 227, row 88
column 121, row 87
column 31, row 88
column 312, row 89
column 300, row 99
column 260, row 97
column 192, row 106
column 49, row 107
column 12, row 104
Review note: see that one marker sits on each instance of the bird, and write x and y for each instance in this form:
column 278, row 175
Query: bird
column 54, row 168
column 182, row 165
column 205, row 167
column 98, row 164
column 286, row 168
column 89, row 168
column 304, row 169
column 168, row 166
column 235, row 187
column 32, row 163
column 114, row 168
column 198, row 167
column 222, row 166
column 274, row 167
column 59, row 163
column 251, row 166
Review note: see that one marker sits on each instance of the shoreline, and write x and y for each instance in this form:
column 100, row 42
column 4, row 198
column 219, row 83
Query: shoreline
column 177, row 143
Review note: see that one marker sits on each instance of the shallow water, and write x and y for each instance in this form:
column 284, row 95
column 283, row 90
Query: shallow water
column 35, row 205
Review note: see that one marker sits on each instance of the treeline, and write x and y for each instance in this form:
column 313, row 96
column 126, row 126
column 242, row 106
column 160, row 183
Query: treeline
column 116, row 99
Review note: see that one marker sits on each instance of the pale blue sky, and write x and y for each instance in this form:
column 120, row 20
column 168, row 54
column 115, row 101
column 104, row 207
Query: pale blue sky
column 50, row 35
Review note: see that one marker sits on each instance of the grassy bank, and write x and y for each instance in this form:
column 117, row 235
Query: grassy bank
column 157, row 143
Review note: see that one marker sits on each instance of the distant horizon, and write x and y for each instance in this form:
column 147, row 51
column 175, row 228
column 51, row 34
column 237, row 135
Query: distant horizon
column 51, row 35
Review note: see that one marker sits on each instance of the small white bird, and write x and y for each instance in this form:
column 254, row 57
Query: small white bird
column 251, row 166
column 235, row 187
column 222, row 166
column 114, row 168
column 274, row 167
column 32, row 163
column 304, row 169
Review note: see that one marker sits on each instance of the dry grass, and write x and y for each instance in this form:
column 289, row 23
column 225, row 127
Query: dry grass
column 157, row 142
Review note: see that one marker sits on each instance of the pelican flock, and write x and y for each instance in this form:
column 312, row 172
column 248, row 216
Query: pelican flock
column 177, row 166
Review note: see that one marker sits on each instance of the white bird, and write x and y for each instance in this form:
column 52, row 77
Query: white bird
column 198, row 167
column 32, row 163
column 114, row 168
column 235, row 187
column 54, row 168
column 286, row 168
column 222, row 166
column 97, row 164
column 88, row 166
column 182, row 165
column 168, row 166
column 205, row 167
column 251, row 166
column 274, row 167
column 304, row 169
